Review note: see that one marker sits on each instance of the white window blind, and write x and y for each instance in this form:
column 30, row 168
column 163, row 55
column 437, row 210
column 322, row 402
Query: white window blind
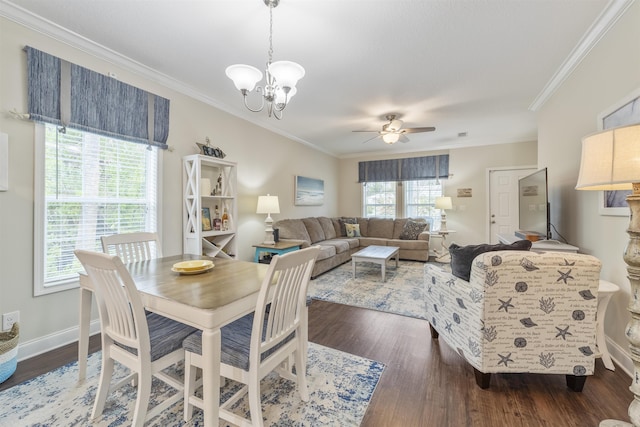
column 87, row 186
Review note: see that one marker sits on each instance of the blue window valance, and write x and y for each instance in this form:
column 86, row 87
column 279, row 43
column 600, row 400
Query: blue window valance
column 69, row 95
column 408, row 169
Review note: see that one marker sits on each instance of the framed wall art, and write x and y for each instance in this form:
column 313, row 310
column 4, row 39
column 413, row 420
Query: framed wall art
column 308, row 191
column 623, row 113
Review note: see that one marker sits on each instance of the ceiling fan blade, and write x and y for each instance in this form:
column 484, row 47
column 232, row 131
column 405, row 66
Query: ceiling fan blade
column 372, row 138
column 418, row 130
column 403, row 139
column 366, row 131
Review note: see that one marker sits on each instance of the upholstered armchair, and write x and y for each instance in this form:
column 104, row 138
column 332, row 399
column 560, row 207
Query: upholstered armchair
column 520, row 311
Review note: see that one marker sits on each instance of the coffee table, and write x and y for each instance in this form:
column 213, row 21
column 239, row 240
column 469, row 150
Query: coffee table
column 378, row 255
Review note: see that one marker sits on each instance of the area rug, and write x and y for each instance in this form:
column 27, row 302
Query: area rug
column 402, row 292
column 340, row 388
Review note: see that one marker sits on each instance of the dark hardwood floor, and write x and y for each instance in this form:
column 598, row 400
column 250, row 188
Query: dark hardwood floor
column 426, row 383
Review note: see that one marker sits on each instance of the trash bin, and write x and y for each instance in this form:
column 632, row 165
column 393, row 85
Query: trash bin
column 9, row 352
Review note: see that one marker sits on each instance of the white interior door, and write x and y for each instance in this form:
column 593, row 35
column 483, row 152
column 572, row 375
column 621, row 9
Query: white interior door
column 503, row 201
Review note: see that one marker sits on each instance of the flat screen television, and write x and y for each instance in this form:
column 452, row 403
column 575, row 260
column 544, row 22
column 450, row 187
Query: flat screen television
column 533, row 204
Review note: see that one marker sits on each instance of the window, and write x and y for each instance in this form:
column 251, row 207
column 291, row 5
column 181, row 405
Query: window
column 87, row 186
column 403, row 199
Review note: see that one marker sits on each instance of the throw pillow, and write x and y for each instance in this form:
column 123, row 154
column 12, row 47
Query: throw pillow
column 412, row 230
column 462, row 256
column 343, row 221
column 352, row 230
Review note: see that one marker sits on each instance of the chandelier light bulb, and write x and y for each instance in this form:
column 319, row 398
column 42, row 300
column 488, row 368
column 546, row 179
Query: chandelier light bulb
column 286, row 73
column 245, row 77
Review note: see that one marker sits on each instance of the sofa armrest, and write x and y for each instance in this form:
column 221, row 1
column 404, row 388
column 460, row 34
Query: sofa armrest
column 425, row 235
column 454, row 309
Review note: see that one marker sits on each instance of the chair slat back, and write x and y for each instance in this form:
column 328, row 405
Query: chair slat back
column 121, row 310
column 288, row 278
column 132, row 247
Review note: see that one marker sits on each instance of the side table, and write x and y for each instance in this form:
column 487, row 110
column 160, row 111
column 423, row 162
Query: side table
column 605, row 292
column 443, row 256
column 278, row 248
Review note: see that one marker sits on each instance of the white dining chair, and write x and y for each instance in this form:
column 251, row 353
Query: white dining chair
column 146, row 344
column 133, row 247
column 260, row 342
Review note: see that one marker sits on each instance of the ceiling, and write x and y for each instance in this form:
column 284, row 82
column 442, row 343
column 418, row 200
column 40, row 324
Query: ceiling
column 479, row 67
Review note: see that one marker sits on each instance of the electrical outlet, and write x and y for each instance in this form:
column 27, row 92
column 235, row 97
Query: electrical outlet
column 8, row 319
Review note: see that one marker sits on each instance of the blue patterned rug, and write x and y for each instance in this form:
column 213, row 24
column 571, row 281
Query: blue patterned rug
column 402, row 293
column 340, row 388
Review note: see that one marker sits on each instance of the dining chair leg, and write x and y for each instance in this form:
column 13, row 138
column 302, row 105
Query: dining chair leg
column 106, row 372
column 144, row 393
column 189, row 385
column 301, row 372
column 255, row 404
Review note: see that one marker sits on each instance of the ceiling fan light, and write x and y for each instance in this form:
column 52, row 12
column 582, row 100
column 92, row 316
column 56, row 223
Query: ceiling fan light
column 286, row 73
column 391, row 138
column 394, row 125
column 245, row 77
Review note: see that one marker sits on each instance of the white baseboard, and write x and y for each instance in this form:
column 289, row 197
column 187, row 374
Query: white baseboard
column 620, row 356
column 41, row 345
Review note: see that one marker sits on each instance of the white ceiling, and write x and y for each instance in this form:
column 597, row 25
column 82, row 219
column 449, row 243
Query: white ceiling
column 475, row 66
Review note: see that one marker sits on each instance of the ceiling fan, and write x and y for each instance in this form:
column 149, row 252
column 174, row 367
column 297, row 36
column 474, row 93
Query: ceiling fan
column 393, row 132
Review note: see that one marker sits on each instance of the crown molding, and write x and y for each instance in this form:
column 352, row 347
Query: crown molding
column 605, row 21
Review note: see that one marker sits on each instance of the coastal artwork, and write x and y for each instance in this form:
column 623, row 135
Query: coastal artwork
column 309, row 191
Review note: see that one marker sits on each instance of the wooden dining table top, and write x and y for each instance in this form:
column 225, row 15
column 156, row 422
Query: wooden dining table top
column 207, row 300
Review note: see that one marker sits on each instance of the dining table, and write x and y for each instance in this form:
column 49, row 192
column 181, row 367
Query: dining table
column 206, row 301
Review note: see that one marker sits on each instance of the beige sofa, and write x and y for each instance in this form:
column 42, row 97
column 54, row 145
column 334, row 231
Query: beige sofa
column 336, row 248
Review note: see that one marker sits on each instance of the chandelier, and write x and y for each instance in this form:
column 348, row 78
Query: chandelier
column 281, row 77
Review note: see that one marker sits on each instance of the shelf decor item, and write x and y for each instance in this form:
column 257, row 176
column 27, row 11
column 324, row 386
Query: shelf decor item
column 207, row 150
column 206, row 219
column 9, row 352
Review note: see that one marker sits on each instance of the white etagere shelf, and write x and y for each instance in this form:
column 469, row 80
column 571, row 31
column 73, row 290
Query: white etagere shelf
column 198, row 171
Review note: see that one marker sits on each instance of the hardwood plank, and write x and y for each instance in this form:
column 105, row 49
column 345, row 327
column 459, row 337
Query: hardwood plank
column 426, row 383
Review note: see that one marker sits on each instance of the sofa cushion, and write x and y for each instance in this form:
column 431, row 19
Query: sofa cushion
column 411, row 245
column 326, row 251
column 364, row 226
column 341, row 245
column 327, row 227
column 336, row 225
column 380, row 227
column 293, row 229
column 316, row 234
column 353, row 230
column 412, row 229
column 462, row 256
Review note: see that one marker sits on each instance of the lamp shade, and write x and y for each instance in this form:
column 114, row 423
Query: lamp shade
column 391, row 138
column 286, row 73
column 610, row 159
column 244, row 76
column 443, row 203
column 268, row 205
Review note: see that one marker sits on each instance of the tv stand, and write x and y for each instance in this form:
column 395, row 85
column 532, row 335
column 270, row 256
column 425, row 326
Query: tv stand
column 540, row 245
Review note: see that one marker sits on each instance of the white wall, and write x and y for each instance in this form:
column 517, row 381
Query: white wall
column 609, row 72
column 267, row 163
column 469, row 169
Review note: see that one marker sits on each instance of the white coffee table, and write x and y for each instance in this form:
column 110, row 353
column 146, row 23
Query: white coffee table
column 378, row 255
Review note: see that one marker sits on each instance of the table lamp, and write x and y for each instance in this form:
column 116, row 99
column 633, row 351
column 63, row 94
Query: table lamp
column 267, row 205
column 611, row 161
column 443, row 203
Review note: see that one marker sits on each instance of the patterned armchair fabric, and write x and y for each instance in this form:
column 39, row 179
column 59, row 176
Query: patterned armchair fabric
column 521, row 311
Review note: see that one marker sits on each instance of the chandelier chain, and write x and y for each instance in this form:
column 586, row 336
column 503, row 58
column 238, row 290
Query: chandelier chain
column 270, row 33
